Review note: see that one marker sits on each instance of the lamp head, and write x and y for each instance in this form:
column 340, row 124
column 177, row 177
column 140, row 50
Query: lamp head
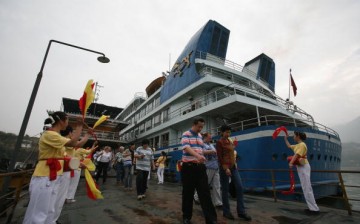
column 103, row 59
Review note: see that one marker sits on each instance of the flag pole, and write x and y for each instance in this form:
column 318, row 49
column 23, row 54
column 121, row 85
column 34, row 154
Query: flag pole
column 289, row 83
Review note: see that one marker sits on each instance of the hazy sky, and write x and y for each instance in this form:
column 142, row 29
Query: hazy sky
column 319, row 40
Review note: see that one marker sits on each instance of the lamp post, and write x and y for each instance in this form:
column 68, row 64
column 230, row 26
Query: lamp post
column 20, row 137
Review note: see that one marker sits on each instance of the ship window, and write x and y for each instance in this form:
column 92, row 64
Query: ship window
column 157, row 102
column 311, row 156
column 166, row 115
column 142, row 128
column 238, row 158
column 284, row 156
column 274, row 156
column 148, row 124
column 319, row 156
column 331, row 158
column 325, row 157
column 165, row 139
column 157, row 120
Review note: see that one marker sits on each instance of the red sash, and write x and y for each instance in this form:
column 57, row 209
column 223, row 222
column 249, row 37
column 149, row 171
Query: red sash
column 54, row 166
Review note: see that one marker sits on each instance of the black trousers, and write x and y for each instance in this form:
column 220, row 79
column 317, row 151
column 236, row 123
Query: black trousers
column 141, row 181
column 102, row 168
column 194, row 178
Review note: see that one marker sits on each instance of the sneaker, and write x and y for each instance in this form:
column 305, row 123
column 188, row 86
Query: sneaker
column 139, row 197
column 69, row 201
column 229, row 216
column 245, row 216
column 310, row 212
column 143, row 196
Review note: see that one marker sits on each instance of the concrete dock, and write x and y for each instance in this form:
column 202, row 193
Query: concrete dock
column 162, row 205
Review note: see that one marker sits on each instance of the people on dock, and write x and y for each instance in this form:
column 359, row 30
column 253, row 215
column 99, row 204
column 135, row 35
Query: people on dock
column 160, row 163
column 48, row 176
column 225, row 150
column 304, row 171
column 144, row 163
column 127, row 163
column 212, row 171
column 103, row 159
column 119, row 166
column 193, row 174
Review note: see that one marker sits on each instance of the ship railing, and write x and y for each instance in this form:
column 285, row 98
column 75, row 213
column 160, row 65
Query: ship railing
column 10, row 197
column 230, row 90
column 255, row 91
column 278, row 186
column 229, row 64
column 104, row 135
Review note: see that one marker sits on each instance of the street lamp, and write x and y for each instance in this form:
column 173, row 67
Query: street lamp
column 102, row 59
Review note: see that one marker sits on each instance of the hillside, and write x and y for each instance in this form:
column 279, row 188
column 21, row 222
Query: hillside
column 349, row 132
column 350, row 155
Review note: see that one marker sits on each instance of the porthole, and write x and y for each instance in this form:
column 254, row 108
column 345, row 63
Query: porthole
column 325, row 157
column 311, row 156
column 274, row 156
column 330, row 158
column 284, row 156
column 319, row 156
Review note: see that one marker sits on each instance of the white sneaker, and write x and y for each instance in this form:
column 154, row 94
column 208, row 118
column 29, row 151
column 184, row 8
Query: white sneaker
column 143, row 196
column 139, row 197
column 69, row 201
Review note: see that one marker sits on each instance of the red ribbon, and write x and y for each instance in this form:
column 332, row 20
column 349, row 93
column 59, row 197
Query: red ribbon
column 292, row 184
column 278, row 130
column 54, row 166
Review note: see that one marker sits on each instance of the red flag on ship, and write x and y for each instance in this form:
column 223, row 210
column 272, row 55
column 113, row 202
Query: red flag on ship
column 293, row 84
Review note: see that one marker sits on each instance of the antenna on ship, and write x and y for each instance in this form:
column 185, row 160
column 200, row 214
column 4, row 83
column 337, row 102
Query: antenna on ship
column 97, row 94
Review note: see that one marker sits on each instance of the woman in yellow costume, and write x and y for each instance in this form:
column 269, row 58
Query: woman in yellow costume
column 47, row 177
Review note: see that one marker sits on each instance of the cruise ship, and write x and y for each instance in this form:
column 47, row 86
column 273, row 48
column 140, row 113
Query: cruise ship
column 202, row 82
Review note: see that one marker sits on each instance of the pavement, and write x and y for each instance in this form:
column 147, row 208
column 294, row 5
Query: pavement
column 162, row 205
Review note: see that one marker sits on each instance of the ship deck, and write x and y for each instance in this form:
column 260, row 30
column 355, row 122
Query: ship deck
column 163, row 205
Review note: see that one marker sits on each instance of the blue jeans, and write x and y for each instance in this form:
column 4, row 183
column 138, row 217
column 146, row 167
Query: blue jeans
column 119, row 172
column 127, row 176
column 224, row 181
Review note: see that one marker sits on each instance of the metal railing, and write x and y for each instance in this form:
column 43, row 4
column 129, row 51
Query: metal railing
column 236, row 89
column 10, row 197
column 105, row 135
column 229, row 64
column 341, row 183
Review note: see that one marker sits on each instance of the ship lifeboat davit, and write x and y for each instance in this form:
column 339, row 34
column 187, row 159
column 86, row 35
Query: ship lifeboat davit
column 154, row 86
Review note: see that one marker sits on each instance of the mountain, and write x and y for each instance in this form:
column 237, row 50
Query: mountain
column 350, row 155
column 349, row 132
